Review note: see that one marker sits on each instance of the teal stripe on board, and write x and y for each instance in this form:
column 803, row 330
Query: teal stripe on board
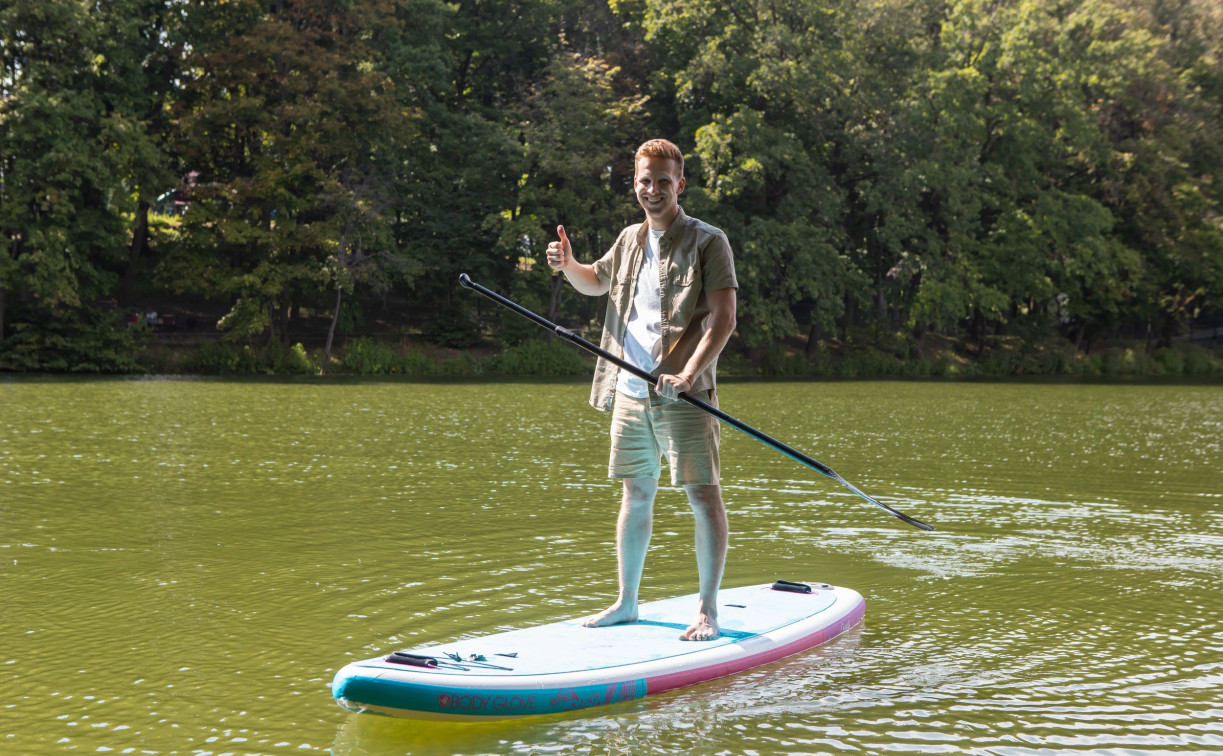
column 496, row 703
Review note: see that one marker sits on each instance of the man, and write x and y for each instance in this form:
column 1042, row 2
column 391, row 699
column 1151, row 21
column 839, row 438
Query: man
column 671, row 309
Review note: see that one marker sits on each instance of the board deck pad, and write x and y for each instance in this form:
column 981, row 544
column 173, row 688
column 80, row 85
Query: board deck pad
column 564, row 666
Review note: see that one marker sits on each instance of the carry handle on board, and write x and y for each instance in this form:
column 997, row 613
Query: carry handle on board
column 400, row 657
column 791, row 586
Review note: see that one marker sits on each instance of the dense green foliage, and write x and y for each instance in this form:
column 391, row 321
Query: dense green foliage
column 1015, row 178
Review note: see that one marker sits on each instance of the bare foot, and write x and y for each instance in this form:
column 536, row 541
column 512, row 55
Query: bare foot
column 616, row 614
column 705, row 628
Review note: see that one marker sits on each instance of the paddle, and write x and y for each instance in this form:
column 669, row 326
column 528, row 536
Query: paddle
column 790, row 452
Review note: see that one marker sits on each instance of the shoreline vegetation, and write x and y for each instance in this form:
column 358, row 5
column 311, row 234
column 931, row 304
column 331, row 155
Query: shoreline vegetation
column 959, row 188
column 139, row 350
column 559, row 360
column 367, row 356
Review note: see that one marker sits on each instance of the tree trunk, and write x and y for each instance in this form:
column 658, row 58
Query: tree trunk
column 1168, row 328
column 272, row 318
column 919, row 342
column 976, row 330
column 849, row 316
column 140, row 240
column 335, row 316
column 3, row 304
column 290, row 307
column 813, row 338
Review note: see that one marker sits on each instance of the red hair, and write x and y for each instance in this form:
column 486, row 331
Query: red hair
column 661, row 148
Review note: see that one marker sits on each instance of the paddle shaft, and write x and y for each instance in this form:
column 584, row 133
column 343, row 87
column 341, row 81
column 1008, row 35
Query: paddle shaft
column 623, row 364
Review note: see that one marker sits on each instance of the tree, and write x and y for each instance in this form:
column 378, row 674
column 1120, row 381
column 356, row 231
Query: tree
column 462, row 177
column 294, row 118
column 779, row 101
column 74, row 152
column 578, row 133
column 1163, row 120
column 980, row 168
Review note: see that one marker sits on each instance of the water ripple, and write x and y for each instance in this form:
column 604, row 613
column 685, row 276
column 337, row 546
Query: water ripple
column 184, row 564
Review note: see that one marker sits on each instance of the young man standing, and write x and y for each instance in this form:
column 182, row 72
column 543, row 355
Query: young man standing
column 671, row 310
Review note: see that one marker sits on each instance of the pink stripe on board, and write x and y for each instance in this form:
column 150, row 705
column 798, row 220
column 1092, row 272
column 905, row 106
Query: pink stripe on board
column 693, row 676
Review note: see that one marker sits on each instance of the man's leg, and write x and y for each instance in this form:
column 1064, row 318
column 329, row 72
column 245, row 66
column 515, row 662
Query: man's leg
column 632, row 540
column 712, row 533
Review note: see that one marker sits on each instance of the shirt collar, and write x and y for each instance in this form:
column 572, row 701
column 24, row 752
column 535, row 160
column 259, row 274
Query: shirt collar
column 644, row 229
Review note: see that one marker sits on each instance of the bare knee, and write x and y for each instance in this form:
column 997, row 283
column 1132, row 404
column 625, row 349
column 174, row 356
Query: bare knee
column 705, row 499
column 639, row 494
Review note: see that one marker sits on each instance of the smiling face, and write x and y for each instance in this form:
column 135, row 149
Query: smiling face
column 658, row 184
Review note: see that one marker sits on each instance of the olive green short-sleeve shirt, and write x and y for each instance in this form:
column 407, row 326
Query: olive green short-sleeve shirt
column 694, row 258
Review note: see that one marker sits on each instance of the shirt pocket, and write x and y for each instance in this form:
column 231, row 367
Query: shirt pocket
column 683, row 275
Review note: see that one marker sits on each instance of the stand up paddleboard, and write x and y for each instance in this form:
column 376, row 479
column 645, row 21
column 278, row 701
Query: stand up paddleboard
column 565, row 666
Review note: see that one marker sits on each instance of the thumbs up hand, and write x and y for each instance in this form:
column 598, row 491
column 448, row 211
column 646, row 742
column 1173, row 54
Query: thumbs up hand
column 560, row 253
column 581, row 275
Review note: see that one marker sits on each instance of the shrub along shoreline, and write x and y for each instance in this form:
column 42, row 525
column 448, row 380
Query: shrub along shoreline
column 367, row 356
column 103, row 349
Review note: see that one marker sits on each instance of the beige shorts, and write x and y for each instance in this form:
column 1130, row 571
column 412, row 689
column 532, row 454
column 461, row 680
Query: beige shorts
column 643, row 430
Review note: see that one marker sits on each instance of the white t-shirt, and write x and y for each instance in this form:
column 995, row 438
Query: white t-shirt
column 643, row 337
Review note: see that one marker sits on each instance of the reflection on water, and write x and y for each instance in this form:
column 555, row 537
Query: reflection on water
column 185, row 564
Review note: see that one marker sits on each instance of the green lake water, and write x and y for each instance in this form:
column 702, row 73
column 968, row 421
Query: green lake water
column 185, row 564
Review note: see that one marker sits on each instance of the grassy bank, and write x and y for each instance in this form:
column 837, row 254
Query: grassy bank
column 366, row 356
column 1117, row 360
column 95, row 345
column 373, row 357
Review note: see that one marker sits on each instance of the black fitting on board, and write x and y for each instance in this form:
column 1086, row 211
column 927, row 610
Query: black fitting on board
column 791, row 587
column 414, row 660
